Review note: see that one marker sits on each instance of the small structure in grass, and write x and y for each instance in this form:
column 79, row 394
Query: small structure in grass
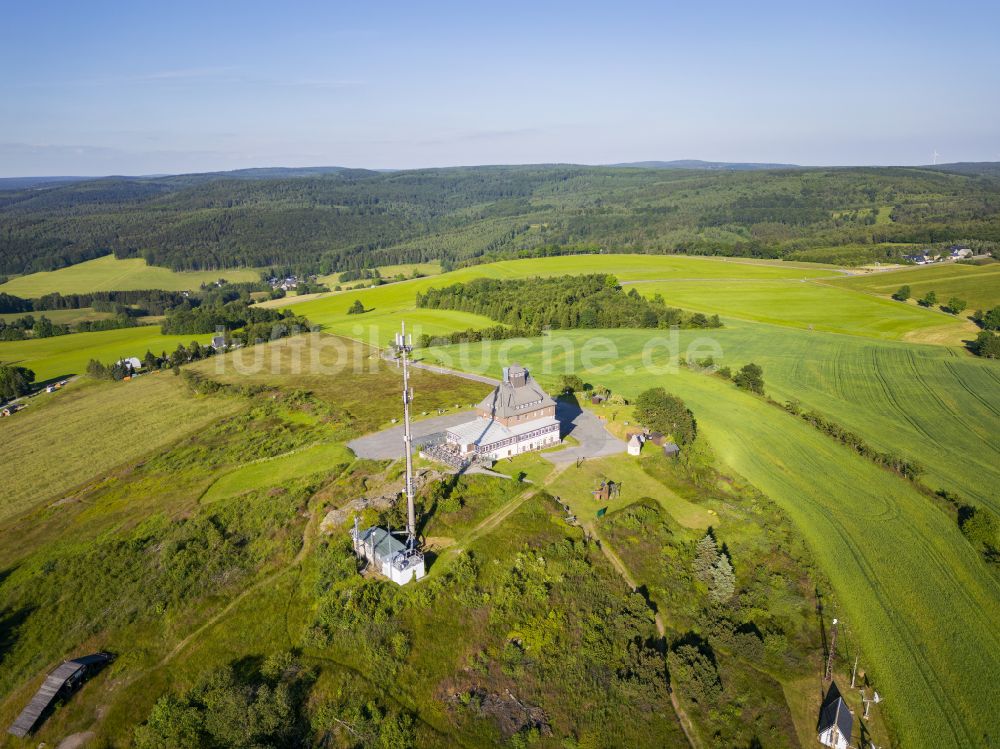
column 60, row 683
column 635, row 444
column 671, row 450
column 607, row 491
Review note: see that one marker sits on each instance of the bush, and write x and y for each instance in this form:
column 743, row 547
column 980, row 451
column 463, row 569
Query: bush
column 15, row 381
column 357, row 308
column 987, row 345
column 981, row 527
column 750, row 377
column 902, row 294
column 696, row 673
column 662, row 412
column 955, row 306
column 928, row 300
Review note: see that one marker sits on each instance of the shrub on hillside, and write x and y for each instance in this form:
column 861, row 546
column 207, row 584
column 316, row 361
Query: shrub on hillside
column 750, row 377
column 15, row 381
column 987, row 344
column 665, row 413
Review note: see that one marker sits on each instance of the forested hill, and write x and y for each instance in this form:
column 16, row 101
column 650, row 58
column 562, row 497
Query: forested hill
column 327, row 219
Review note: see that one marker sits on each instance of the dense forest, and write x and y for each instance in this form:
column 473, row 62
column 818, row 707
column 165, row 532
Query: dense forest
column 534, row 304
column 346, row 220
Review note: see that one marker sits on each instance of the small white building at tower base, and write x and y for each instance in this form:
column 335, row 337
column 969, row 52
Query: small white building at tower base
column 388, row 555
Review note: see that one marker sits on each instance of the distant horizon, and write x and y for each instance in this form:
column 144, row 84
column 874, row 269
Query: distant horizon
column 133, row 89
column 640, row 164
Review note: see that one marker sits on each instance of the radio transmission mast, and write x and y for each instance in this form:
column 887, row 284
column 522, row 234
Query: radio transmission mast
column 404, row 345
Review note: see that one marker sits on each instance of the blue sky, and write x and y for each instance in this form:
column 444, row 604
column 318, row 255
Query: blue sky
column 140, row 88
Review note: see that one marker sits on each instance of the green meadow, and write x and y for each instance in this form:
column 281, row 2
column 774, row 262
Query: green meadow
column 977, row 285
column 802, row 304
column 903, row 574
column 575, row 487
column 64, row 440
column 64, row 355
column 269, row 472
column 61, row 316
column 108, row 273
column 764, row 291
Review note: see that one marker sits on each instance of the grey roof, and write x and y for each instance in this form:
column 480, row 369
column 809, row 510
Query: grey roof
column 671, row 448
column 509, row 399
column 836, row 712
column 386, row 545
column 50, row 689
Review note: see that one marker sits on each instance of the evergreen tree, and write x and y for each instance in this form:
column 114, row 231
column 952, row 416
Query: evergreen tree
column 723, row 584
column 706, row 555
column 15, row 381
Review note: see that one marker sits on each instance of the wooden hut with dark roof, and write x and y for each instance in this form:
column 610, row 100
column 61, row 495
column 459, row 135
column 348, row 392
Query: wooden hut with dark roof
column 63, row 680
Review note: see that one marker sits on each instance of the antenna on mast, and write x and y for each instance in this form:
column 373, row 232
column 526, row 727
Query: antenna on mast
column 403, row 346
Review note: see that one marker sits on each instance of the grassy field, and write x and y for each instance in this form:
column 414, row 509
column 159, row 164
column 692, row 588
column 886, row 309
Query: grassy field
column 68, row 354
column 807, row 305
column 61, row 316
column 576, row 484
column 67, row 438
column 111, row 274
column 431, row 268
column 766, row 291
column 321, row 458
column 978, row 285
column 906, row 581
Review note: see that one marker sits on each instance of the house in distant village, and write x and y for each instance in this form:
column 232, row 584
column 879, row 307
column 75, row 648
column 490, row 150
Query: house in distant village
column 131, row 362
column 836, row 721
column 218, row 343
column 960, row 253
column 920, row 258
column 517, row 417
column 10, row 409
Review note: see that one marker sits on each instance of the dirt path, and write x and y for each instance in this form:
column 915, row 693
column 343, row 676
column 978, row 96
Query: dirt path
column 619, row 565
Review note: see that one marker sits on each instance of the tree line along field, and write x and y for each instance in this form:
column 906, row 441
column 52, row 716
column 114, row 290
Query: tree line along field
column 907, row 583
column 769, row 292
column 108, row 273
column 349, row 219
column 977, row 285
